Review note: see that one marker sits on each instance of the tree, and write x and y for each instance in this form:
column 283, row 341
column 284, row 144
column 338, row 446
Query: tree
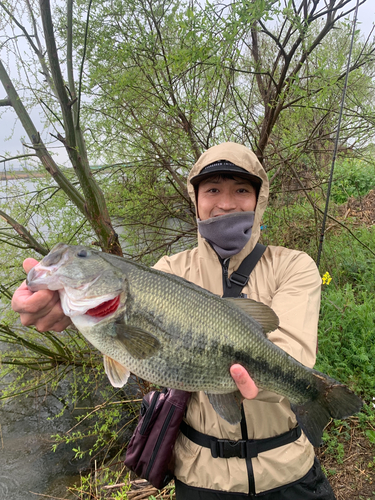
column 163, row 81
column 90, row 202
column 168, row 81
column 138, row 89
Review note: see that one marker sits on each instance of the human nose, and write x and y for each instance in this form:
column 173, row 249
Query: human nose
column 226, row 202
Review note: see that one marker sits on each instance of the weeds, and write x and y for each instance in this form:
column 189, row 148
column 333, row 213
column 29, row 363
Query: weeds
column 106, row 417
column 347, row 338
column 114, row 481
column 107, row 482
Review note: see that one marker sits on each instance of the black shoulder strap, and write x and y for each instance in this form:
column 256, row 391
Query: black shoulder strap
column 240, row 277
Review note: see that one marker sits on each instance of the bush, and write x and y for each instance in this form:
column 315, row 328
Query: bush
column 351, row 261
column 347, row 338
column 352, row 177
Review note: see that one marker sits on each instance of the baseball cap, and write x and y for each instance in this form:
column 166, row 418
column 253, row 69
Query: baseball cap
column 223, row 167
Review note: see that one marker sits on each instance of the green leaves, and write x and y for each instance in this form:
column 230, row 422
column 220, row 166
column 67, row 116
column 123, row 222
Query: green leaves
column 371, row 435
column 352, row 178
column 347, row 324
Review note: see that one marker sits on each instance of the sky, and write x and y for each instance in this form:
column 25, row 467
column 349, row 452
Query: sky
column 12, row 134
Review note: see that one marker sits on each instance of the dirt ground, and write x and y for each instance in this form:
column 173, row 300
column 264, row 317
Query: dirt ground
column 354, row 477
column 361, row 209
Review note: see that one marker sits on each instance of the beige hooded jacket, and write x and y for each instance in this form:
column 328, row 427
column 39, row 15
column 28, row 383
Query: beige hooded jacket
column 286, row 280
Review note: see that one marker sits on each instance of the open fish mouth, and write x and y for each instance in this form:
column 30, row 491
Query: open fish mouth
column 43, row 278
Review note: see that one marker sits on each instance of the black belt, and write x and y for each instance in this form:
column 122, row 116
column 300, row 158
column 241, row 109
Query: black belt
column 244, row 448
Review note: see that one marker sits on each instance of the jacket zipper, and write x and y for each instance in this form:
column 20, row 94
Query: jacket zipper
column 226, row 280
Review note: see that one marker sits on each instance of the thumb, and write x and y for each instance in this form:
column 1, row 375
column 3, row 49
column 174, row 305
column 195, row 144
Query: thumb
column 29, row 263
column 244, row 382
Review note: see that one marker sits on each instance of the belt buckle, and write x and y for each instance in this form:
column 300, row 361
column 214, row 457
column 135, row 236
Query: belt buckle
column 224, row 448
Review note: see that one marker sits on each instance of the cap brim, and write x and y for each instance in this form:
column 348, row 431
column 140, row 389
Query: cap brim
column 220, row 170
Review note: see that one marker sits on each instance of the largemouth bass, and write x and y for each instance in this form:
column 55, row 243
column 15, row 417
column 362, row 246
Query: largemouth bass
column 175, row 334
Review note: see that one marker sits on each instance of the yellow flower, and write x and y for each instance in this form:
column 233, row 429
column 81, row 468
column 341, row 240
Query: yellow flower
column 326, row 279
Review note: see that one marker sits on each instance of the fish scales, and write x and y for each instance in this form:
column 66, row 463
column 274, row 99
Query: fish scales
column 176, row 334
column 198, row 351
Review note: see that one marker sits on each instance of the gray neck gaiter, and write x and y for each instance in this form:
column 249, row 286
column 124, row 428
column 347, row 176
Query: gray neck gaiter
column 228, row 233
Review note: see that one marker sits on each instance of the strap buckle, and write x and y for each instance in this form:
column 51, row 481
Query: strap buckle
column 224, row 448
column 239, row 279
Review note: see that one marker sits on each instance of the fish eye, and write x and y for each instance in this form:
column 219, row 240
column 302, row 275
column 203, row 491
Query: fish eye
column 82, row 253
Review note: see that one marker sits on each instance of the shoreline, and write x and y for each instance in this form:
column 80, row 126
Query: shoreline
column 9, row 176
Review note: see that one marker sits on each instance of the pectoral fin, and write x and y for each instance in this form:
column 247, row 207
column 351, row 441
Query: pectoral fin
column 139, row 343
column 228, row 406
column 117, row 373
column 263, row 314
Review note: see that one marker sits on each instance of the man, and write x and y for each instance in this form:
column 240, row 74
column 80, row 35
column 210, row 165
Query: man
column 230, row 189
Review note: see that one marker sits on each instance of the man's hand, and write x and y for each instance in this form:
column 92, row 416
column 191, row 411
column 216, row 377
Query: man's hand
column 245, row 383
column 42, row 308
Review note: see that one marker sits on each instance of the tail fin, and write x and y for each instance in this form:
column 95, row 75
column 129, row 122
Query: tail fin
column 333, row 400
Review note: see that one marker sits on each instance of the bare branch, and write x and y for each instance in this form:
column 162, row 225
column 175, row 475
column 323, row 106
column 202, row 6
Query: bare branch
column 18, row 157
column 40, row 149
column 30, row 241
column 5, row 102
column 82, row 62
column 69, row 59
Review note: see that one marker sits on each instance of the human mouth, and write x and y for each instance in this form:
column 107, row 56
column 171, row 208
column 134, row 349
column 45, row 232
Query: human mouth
column 219, row 214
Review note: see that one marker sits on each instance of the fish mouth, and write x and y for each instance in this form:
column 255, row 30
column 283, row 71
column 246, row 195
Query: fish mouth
column 105, row 308
column 38, row 278
column 43, row 276
column 92, row 308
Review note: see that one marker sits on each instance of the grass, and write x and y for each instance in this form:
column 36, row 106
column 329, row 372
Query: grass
column 346, row 352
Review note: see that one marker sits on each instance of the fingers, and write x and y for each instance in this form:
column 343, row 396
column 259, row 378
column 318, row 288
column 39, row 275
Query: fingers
column 244, row 382
column 42, row 308
column 56, row 321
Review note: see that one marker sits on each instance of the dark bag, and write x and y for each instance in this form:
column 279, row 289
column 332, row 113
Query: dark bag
column 149, row 452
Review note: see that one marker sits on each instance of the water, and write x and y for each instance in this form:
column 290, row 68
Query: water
column 28, row 467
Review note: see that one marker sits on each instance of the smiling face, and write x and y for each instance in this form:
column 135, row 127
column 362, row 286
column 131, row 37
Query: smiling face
column 222, row 195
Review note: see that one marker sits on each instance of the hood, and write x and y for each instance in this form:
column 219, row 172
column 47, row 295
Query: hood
column 242, row 157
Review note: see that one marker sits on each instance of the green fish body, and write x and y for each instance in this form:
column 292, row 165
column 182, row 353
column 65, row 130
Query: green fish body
column 175, row 334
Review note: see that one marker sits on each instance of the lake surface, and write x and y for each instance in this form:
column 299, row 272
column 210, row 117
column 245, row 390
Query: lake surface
column 28, row 467
column 27, row 464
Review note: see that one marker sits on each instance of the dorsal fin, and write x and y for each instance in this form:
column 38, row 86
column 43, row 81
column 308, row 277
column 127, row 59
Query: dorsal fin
column 263, row 314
